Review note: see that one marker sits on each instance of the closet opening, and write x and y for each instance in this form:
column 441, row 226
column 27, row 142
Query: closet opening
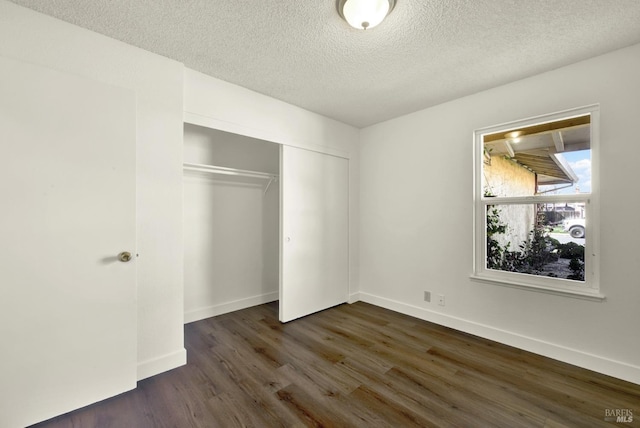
column 231, row 212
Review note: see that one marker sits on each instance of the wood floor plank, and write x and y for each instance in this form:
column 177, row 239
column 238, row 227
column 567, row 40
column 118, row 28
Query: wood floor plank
column 356, row 366
column 430, row 406
column 475, row 406
column 396, row 414
column 561, row 405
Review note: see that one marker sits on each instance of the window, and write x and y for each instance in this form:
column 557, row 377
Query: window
column 536, row 211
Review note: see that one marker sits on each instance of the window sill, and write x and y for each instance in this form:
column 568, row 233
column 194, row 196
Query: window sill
column 586, row 294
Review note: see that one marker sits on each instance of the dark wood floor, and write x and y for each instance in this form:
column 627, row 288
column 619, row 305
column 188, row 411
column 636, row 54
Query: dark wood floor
column 357, row 366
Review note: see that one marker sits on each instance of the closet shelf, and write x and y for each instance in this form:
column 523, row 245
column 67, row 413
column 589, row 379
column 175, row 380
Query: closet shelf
column 213, row 169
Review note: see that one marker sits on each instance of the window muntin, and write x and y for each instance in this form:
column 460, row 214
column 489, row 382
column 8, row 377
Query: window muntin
column 530, row 177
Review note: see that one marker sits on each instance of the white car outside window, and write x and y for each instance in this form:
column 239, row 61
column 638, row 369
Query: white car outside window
column 575, row 227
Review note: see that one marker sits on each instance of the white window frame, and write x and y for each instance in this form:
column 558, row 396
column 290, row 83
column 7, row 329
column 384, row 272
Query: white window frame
column 590, row 288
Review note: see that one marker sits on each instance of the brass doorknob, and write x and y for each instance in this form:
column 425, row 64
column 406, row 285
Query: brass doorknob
column 124, row 256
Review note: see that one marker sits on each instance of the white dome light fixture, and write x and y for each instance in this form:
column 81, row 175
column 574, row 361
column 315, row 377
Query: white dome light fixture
column 365, row 14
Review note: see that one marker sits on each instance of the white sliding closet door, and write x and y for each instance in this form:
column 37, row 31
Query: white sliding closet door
column 314, row 272
column 67, row 186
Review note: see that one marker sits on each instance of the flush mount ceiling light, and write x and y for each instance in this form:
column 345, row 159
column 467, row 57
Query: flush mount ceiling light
column 364, row 14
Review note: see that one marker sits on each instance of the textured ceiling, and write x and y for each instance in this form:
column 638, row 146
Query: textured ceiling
column 426, row 52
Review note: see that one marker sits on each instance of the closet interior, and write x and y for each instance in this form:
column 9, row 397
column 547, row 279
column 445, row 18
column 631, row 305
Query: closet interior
column 231, row 222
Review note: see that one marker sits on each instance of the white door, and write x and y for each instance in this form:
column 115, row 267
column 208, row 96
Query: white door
column 67, row 192
column 315, row 235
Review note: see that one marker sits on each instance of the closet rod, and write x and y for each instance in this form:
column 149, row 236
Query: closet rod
column 228, row 171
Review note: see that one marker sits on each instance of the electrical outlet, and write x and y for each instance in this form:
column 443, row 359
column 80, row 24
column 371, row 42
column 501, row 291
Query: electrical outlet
column 427, row 296
column 441, row 299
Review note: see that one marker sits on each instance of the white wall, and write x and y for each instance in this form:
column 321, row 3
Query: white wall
column 215, row 104
column 158, row 84
column 231, row 226
column 416, row 222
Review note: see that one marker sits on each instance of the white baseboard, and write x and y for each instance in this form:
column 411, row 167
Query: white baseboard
column 162, row 364
column 223, row 308
column 617, row 369
column 354, row 297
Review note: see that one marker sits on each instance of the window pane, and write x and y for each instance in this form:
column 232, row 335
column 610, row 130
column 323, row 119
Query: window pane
column 537, row 239
column 549, row 158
